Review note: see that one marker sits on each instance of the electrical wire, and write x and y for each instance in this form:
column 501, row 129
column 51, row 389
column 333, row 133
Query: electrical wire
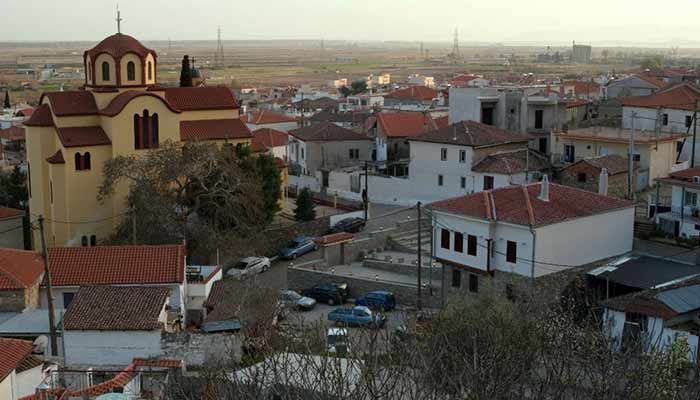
column 82, row 222
column 12, row 229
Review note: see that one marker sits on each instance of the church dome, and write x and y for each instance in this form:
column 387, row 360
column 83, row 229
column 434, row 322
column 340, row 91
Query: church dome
column 118, row 45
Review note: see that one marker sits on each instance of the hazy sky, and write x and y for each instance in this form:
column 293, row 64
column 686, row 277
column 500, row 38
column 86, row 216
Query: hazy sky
column 510, row 21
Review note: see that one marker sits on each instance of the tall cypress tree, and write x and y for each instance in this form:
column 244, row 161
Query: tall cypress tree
column 7, row 100
column 305, row 210
column 186, row 73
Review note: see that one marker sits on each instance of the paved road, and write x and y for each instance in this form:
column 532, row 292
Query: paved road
column 675, row 253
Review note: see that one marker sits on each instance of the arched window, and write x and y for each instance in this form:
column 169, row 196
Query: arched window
column 105, row 71
column 146, row 129
column 150, row 71
column 84, row 241
column 86, row 160
column 130, row 71
column 82, row 161
column 154, row 131
column 137, row 132
column 78, row 162
column 93, row 240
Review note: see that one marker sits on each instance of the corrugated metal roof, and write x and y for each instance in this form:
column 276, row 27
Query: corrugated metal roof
column 647, row 272
column 681, row 300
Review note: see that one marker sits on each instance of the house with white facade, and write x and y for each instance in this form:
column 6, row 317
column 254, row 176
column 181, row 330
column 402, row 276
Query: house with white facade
column 361, row 102
column 420, row 80
column 271, row 141
column 683, row 220
column 200, row 280
column 112, row 325
column 267, row 119
column 655, row 318
column 635, row 85
column 152, row 266
column 20, row 371
column 528, row 231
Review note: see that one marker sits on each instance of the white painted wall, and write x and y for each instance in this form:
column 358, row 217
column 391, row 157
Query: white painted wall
column 110, row 347
column 7, row 387
column 282, row 126
column 646, row 119
column 426, row 165
column 298, row 153
column 27, row 381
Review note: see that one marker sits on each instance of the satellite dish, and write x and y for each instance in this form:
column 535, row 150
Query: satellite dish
column 41, row 343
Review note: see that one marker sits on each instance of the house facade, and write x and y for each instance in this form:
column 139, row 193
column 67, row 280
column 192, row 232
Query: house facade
column 635, row 85
column 528, row 231
column 20, row 371
column 585, row 174
column 21, row 272
column 122, row 111
column 683, row 220
column 11, row 224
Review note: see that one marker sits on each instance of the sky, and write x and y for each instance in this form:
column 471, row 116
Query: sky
column 498, row 21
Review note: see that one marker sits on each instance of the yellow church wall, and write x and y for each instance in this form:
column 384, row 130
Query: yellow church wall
column 152, row 81
column 81, row 120
column 138, row 70
column 88, row 70
column 112, row 70
column 40, row 144
column 57, row 231
column 102, row 99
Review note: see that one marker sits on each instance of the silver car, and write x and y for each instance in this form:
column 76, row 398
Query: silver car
column 292, row 299
column 249, row 266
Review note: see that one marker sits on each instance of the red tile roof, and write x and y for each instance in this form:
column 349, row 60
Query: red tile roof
column 6, row 212
column 12, row 133
column 120, row 101
column 653, row 80
column 582, row 87
column 57, row 158
column 414, row 93
column 264, row 117
column 512, row 162
column 471, row 133
column 614, row 163
column 201, row 98
column 13, row 351
column 118, row 45
column 258, row 147
column 117, row 265
column 577, row 103
column 72, row 103
column 116, row 308
column 679, row 97
column 441, row 122
column 403, row 124
column 270, row 137
column 214, row 129
column 511, row 204
column 41, row 117
column 83, row 136
column 25, row 112
column 326, row 132
column 19, row 269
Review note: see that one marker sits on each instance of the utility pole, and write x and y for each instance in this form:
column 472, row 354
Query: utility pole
column 418, row 299
column 695, row 131
column 49, row 294
column 365, row 192
column 630, row 164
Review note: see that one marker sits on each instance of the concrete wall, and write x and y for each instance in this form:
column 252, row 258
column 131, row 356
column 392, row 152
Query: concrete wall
column 198, row 349
column 27, row 381
column 13, row 234
column 617, row 184
column 336, row 154
column 110, row 347
column 631, row 86
column 7, row 387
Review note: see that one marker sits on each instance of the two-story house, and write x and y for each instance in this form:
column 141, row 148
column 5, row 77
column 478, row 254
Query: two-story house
column 527, row 231
column 412, row 98
column 392, row 131
column 20, row 275
column 684, row 218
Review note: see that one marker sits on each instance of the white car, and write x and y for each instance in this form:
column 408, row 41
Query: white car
column 249, row 266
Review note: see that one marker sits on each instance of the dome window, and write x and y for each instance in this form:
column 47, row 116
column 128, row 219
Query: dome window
column 130, row 71
column 105, row 71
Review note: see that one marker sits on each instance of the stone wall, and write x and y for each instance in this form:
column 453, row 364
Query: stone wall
column 300, row 279
column 399, row 268
column 11, row 300
column 198, row 349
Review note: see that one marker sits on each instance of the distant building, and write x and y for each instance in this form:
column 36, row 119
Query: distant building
column 420, row 80
column 581, row 54
column 338, row 83
column 635, row 85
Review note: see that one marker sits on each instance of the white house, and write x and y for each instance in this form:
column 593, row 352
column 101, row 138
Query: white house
column 655, row 318
column 267, row 119
column 200, row 279
column 20, row 371
column 112, row 325
column 272, row 141
column 420, row 80
column 635, row 85
column 683, row 219
column 156, row 266
column 530, row 231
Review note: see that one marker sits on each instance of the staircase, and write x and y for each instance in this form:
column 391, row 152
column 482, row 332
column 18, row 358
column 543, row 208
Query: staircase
column 407, row 241
column 643, row 228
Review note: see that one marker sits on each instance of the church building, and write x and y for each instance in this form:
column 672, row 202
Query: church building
column 121, row 111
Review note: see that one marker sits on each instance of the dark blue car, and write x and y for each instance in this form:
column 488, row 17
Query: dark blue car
column 298, row 247
column 379, row 300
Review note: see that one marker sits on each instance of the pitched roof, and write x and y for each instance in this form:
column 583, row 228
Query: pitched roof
column 118, row 45
column 615, row 163
column 648, row 272
column 583, row 87
column 403, row 124
column 653, row 80
column 13, row 351
column 116, row 308
column 19, row 269
column 512, row 162
column 263, row 117
column 6, row 212
column 121, row 100
column 12, row 133
column 347, row 117
column 56, row 158
column 471, row 133
column 414, row 93
column 683, row 178
column 201, row 98
column 83, row 136
column 270, row 137
column 680, row 97
column 326, row 132
column 25, row 112
column 510, row 204
column 117, row 265
column 618, row 135
column 666, row 302
column 214, row 129
column 71, row 103
column 41, row 117
column 441, row 122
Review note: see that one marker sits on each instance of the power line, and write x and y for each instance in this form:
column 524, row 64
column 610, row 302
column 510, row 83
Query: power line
column 83, row 222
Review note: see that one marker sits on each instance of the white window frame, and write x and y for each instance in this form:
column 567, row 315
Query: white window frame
column 691, row 199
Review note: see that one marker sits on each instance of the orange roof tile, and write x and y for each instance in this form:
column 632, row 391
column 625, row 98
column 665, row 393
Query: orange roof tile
column 201, row 98
column 12, row 133
column 415, row 93
column 270, row 137
column 83, row 136
column 403, row 124
column 120, row 101
column 71, row 103
column 263, row 117
column 6, row 212
column 56, row 158
column 214, row 129
column 41, row 117
column 680, row 97
column 13, row 351
column 118, row 45
column 117, row 265
column 19, row 269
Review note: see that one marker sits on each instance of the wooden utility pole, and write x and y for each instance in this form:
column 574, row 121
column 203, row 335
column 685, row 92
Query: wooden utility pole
column 49, row 294
column 695, row 131
column 365, row 193
column 418, row 299
column 630, row 164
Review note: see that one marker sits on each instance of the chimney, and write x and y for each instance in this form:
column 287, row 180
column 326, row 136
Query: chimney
column 544, row 189
column 454, row 132
column 603, row 182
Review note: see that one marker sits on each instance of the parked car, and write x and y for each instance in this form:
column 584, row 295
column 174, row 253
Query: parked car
column 331, row 293
column 379, row 300
column 292, row 299
column 352, row 225
column 298, row 247
column 357, row 316
column 248, row 266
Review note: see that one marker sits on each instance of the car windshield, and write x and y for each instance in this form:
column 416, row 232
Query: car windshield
column 240, row 265
column 293, row 244
column 293, row 295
